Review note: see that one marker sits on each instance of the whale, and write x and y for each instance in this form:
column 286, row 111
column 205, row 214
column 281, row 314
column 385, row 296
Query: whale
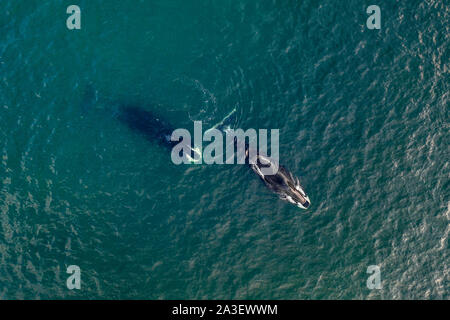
column 148, row 124
column 283, row 182
column 155, row 129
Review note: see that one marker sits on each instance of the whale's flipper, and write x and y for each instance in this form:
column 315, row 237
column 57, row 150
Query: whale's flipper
column 194, row 152
column 223, row 125
column 226, row 122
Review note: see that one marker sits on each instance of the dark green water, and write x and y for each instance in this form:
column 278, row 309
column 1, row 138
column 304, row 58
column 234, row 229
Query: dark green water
column 363, row 118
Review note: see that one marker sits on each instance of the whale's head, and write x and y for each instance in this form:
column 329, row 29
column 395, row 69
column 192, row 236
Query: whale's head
column 296, row 194
column 283, row 183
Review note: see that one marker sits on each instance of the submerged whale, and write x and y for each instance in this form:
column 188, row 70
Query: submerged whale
column 148, row 124
column 283, row 182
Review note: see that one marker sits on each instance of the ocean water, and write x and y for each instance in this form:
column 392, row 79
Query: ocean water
column 363, row 118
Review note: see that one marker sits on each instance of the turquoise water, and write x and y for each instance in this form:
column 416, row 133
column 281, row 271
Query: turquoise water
column 363, row 118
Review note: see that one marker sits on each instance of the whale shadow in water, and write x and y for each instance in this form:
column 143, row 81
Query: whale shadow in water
column 150, row 125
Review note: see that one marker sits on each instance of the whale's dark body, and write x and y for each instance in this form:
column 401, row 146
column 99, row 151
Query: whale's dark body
column 150, row 125
column 157, row 130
